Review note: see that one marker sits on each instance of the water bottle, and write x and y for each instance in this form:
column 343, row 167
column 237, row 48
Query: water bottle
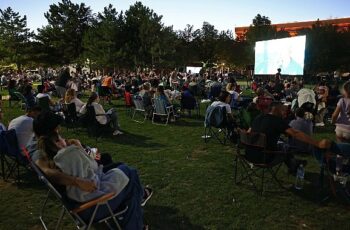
column 338, row 164
column 299, row 181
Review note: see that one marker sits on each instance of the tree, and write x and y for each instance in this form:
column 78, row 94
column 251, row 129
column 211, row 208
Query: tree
column 103, row 40
column 67, row 23
column 14, row 37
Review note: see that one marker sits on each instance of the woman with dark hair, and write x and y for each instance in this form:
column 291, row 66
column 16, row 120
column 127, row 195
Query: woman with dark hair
column 29, row 96
column 73, row 161
column 160, row 94
column 102, row 117
column 341, row 116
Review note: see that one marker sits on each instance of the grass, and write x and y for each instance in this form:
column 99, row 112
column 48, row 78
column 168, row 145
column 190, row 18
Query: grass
column 193, row 183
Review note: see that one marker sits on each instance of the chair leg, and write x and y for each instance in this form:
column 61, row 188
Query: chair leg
column 60, row 218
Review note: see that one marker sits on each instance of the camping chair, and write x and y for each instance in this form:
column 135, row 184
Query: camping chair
column 23, row 100
column 74, row 209
column 94, row 128
column 70, row 115
column 11, row 156
column 44, row 103
column 139, row 107
column 253, row 145
column 190, row 103
column 215, row 124
column 128, row 103
column 160, row 109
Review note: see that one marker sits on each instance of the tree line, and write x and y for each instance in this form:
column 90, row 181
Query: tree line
column 138, row 38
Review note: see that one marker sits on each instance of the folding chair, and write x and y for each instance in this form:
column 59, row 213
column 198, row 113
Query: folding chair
column 11, row 156
column 70, row 115
column 44, row 103
column 190, row 103
column 139, row 107
column 160, row 109
column 94, row 128
column 23, row 100
column 256, row 171
column 215, row 124
column 75, row 209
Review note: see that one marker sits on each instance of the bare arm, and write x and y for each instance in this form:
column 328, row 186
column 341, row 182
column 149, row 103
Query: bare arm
column 323, row 144
column 335, row 114
column 64, row 179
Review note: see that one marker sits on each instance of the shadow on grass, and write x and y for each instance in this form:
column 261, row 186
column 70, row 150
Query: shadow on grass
column 161, row 217
column 133, row 140
column 186, row 123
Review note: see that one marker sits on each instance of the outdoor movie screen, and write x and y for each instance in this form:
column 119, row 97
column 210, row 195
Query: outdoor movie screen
column 286, row 53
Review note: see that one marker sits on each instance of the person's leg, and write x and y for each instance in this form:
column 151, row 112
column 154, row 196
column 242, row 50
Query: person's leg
column 114, row 120
column 130, row 196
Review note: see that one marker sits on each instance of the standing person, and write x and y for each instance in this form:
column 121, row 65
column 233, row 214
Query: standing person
column 61, row 82
column 341, row 116
column 102, row 117
column 278, row 75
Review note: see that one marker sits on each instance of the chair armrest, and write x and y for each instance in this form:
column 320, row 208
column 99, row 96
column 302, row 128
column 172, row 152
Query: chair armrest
column 94, row 202
column 97, row 115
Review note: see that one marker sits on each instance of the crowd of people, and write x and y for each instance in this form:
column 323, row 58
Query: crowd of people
column 281, row 106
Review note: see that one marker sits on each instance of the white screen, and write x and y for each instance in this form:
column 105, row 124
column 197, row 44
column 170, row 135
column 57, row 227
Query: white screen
column 286, row 53
column 193, row 69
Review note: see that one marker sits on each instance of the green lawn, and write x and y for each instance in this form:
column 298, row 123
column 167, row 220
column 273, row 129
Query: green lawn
column 193, row 183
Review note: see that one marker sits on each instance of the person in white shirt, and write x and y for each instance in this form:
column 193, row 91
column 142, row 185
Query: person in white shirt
column 24, row 126
column 41, row 94
column 102, row 117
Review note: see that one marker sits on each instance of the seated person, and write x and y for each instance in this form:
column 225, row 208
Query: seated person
column 304, row 125
column 12, row 88
column 109, row 118
column 224, row 100
column 60, row 169
column 24, row 126
column 234, row 95
column 29, row 96
column 263, row 100
column 160, row 94
column 41, row 94
column 273, row 125
column 71, row 97
column 146, row 97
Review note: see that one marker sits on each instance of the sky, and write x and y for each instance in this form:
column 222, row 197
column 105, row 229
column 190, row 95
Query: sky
column 223, row 14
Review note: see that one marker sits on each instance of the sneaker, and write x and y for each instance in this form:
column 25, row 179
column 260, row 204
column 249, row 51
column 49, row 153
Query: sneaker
column 321, row 124
column 147, row 194
column 117, row 132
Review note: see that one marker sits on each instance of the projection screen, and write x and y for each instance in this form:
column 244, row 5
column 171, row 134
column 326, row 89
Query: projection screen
column 286, row 53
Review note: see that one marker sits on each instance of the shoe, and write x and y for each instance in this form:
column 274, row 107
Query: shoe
column 117, row 132
column 147, row 194
column 321, row 124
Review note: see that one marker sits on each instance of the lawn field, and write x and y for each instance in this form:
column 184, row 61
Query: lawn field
column 192, row 181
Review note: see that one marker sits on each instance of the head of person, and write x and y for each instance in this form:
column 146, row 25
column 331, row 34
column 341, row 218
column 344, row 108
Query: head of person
column 346, row 89
column 160, row 89
column 93, row 98
column 51, row 143
column 260, row 92
column 70, row 95
column 279, row 70
column 276, row 108
column 225, row 97
column 28, row 90
column 46, row 122
column 40, row 88
column 146, row 86
column 34, row 111
column 300, row 112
